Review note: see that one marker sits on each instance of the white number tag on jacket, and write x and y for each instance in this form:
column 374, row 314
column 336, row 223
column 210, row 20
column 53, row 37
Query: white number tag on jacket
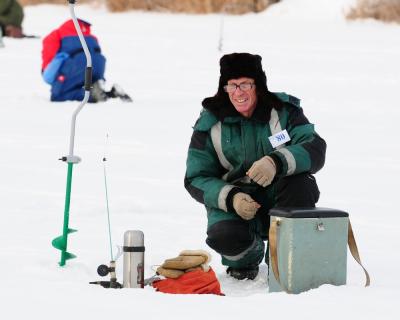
column 279, row 138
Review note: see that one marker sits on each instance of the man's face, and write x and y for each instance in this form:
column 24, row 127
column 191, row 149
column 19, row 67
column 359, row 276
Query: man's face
column 243, row 98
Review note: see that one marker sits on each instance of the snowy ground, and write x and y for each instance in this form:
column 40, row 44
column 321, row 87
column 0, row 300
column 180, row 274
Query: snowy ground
column 347, row 75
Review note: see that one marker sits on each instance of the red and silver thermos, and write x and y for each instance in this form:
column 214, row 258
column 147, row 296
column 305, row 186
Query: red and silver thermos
column 133, row 259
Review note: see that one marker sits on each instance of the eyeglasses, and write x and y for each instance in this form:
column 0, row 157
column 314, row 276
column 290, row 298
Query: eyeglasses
column 245, row 86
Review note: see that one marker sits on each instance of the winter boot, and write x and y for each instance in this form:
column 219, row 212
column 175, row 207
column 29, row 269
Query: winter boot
column 117, row 92
column 240, row 274
column 1, row 39
column 97, row 93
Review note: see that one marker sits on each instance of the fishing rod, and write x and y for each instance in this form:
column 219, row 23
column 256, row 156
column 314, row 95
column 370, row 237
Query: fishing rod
column 103, row 270
column 133, row 251
column 61, row 242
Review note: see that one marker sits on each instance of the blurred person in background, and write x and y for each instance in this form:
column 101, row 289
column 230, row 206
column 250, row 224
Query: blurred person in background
column 64, row 64
column 11, row 16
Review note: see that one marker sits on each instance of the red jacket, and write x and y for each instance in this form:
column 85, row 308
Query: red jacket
column 52, row 42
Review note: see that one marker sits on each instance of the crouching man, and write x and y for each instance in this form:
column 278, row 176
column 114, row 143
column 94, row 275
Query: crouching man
column 251, row 150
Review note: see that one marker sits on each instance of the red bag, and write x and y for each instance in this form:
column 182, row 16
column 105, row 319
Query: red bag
column 197, row 281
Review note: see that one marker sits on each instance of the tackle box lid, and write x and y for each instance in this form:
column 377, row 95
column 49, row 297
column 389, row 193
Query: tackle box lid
column 302, row 212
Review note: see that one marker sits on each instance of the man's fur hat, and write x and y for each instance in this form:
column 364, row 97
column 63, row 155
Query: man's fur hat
column 238, row 65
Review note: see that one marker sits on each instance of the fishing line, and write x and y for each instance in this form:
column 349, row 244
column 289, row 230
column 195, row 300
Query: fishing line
column 106, row 190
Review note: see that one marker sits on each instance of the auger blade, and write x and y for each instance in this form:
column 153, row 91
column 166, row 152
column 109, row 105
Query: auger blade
column 67, row 256
column 59, row 243
column 71, row 230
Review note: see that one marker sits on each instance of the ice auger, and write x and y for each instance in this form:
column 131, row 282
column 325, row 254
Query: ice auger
column 61, row 242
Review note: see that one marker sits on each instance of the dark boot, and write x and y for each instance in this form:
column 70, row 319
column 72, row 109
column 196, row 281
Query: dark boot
column 117, row 92
column 97, row 92
column 241, row 274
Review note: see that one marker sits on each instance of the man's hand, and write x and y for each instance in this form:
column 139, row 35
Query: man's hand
column 245, row 206
column 263, row 171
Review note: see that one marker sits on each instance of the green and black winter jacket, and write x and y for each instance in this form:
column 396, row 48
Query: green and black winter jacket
column 225, row 144
column 11, row 13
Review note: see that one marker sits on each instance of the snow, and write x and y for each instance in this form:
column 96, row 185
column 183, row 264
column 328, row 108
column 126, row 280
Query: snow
column 347, row 75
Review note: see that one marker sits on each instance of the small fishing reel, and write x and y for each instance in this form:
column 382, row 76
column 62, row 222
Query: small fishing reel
column 103, row 270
